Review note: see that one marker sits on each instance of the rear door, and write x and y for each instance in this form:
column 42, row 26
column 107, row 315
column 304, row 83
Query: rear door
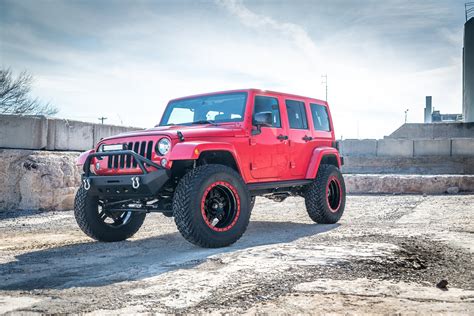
column 269, row 158
column 299, row 134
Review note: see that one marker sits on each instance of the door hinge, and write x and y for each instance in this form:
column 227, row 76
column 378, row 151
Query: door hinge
column 292, row 165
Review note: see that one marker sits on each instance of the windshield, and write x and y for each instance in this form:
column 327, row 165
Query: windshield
column 217, row 108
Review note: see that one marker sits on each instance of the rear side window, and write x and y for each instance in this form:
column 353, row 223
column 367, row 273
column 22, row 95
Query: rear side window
column 268, row 104
column 296, row 114
column 320, row 117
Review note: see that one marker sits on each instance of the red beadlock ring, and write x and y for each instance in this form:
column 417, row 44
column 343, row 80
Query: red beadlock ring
column 236, row 197
column 334, row 194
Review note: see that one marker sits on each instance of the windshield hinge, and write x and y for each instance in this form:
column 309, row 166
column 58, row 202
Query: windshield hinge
column 180, row 136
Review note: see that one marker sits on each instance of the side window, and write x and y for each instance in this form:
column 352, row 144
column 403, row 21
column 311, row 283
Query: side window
column 296, row 114
column 268, row 104
column 320, row 117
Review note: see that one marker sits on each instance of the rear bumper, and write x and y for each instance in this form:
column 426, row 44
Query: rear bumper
column 122, row 186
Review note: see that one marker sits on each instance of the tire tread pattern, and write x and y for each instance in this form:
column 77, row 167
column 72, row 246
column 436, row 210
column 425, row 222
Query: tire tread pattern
column 81, row 213
column 182, row 204
column 315, row 197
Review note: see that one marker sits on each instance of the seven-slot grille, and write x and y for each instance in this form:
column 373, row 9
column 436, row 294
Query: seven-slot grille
column 143, row 148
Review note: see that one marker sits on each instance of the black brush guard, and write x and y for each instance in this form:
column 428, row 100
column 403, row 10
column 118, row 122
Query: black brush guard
column 142, row 185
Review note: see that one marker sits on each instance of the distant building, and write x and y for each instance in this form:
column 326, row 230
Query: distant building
column 437, row 117
column 428, row 109
column 432, row 116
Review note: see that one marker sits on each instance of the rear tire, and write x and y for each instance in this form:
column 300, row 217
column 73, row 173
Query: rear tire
column 325, row 197
column 211, row 206
column 101, row 225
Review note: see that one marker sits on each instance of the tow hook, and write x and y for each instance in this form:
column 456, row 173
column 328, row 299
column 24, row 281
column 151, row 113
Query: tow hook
column 86, row 183
column 135, row 182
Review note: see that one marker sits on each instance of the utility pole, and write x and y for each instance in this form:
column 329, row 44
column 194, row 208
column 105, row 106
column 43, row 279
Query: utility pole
column 102, row 119
column 406, row 116
column 324, row 81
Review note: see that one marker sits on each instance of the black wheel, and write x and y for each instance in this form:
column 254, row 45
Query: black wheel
column 211, row 206
column 103, row 225
column 325, row 197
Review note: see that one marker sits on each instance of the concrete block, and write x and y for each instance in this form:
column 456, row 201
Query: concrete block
column 70, row 135
column 462, row 147
column 23, row 132
column 103, row 131
column 359, row 147
column 409, row 165
column 432, row 147
column 395, row 148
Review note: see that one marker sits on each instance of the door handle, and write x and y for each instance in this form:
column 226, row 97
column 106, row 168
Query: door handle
column 307, row 138
column 282, row 137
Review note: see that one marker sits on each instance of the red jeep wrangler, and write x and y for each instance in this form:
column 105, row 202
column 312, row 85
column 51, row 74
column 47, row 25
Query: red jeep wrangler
column 205, row 163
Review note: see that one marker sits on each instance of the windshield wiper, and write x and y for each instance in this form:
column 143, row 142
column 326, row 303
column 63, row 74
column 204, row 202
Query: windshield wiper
column 205, row 122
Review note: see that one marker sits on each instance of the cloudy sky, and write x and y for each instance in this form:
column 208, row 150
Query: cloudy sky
column 125, row 59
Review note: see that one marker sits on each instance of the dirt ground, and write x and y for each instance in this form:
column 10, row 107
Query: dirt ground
column 385, row 256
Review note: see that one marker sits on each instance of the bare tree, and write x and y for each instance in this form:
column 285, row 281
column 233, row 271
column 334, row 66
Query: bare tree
column 15, row 97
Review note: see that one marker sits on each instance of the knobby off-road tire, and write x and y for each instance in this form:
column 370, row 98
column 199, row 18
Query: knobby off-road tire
column 325, row 197
column 103, row 226
column 205, row 191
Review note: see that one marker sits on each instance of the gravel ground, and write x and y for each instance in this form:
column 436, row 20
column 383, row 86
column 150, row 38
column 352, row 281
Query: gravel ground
column 385, row 256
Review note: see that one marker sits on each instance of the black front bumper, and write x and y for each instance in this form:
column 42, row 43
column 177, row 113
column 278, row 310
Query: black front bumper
column 142, row 185
column 122, row 186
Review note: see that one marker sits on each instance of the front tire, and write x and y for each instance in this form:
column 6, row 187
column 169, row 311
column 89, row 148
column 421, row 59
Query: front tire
column 325, row 197
column 211, row 206
column 102, row 225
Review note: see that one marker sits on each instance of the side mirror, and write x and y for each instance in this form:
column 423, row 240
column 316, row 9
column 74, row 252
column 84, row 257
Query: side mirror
column 263, row 119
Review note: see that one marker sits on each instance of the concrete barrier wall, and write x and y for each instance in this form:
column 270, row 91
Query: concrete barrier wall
column 427, row 165
column 29, row 133
column 431, row 147
column 394, row 148
column 39, row 132
column 359, row 147
column 70, row 135
column 462, row 147
column 407, row 148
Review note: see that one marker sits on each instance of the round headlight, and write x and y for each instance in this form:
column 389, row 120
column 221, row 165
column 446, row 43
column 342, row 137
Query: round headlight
column 163, row 146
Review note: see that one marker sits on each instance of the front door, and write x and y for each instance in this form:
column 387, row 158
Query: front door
column 269, row 146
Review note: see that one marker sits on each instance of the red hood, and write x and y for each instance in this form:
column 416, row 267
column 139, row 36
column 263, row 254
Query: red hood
column 193, row 131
